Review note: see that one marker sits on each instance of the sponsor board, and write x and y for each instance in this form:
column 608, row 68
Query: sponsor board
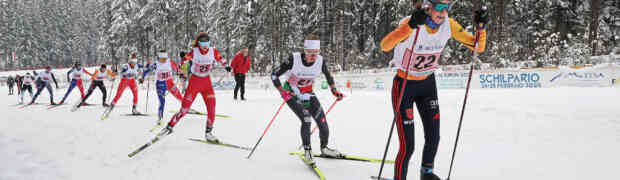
column 510, row 80
column 452, row 80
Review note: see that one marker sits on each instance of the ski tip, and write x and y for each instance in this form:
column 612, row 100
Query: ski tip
column 380, row 178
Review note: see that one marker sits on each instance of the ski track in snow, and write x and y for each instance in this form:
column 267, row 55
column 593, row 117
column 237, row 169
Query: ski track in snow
column 557, row 133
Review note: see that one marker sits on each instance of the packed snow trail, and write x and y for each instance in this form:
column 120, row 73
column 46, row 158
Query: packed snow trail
column 555, row 133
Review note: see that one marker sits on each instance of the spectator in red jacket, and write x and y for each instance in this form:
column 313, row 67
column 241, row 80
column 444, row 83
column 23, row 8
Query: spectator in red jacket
column 241, row 66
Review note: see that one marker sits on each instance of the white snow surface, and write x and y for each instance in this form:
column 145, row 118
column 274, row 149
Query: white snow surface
column 552, row 133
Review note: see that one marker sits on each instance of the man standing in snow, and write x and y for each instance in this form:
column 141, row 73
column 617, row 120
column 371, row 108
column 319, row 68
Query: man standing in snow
column 10, row 82
column 240, row 65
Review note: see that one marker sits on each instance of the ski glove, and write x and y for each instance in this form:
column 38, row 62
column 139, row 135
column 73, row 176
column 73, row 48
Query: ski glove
column 417, row 18
column 337, row 93
column 141, row 80
column 228, row 68
column 481, row 17
column 286, row 95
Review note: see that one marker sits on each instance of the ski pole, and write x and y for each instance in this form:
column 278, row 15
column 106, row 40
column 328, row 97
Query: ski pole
column 400, row 98
column 471, row 71
column 267, row 128
column 316, row 126
column 148, row 86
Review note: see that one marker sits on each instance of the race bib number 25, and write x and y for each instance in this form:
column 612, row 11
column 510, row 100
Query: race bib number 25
column 420, row 62
column 202, row 68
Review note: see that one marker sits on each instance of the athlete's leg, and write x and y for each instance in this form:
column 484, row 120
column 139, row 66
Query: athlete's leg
column 119, row 91
column 316, row 111
column 404, row 126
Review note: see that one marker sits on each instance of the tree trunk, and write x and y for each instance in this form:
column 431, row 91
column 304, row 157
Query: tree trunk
column 596, row 10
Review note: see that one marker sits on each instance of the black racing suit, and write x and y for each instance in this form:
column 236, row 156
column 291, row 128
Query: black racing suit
column 98, row 84
column 306, row 110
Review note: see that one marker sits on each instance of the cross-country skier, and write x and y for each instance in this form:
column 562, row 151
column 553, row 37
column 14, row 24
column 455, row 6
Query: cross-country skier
column 163, row 71
column 202, row 56
column 10, row 83
column 303, row 69
column 75, row 74
column 43, row 81
column 129, row 72
column 27, row 80
column 184, row 71
column 432, row 28
column 19, row 81
column 97, row 81
column 241, row 65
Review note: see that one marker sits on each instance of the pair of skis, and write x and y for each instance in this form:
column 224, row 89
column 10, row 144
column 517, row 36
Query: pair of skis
column 318, row 172
column 160, row 136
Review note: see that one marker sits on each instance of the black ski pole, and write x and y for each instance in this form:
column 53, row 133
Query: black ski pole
column 471, row 71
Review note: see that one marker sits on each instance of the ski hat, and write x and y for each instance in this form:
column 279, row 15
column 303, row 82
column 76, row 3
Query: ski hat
column 312, row 44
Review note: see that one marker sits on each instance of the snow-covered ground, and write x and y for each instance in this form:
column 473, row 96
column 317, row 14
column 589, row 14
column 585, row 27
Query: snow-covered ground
column 555, row 133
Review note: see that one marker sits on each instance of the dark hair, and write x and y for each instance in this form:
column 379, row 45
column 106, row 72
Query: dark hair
column 103, row 66
column 182, row 54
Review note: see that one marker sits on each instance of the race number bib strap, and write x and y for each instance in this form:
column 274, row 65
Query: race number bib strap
column 420, row 63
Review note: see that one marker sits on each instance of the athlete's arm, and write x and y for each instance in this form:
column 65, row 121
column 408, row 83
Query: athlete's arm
column 148, row 70
column 328, row 75
column 85, row 71
column 401, row 33
column 284, row 67
column 111, row 73
column 219, row 58
column 54, row 78
column 466, row 38
column 69, row 75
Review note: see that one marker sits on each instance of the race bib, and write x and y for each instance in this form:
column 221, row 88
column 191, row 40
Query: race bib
column 45, row 78
column 300, row 82
column 420, row 62
column 77, row 76
column 163, row 75
column 202, row 68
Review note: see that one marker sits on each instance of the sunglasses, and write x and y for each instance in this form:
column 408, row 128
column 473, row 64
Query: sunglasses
column 441, row 6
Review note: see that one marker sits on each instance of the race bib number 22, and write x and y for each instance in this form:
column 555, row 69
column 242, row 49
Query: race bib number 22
column 420, row 62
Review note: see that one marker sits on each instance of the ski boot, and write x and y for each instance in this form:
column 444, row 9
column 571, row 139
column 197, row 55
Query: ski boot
column 308, row 156
column 53, row 103
column 210, row 137
column 61, row 102
column 134, row 111
column 329, row 152
column 104, row 104
column 160, row 116
column 165, row 131
column 427, row 174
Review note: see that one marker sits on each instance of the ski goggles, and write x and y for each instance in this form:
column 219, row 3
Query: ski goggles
column 441, row 6
column 205, row 44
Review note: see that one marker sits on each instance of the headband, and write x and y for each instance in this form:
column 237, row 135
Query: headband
column 312, row 44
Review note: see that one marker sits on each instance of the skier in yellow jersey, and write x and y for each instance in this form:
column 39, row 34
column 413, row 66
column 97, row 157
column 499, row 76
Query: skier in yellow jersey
column 430, row 28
